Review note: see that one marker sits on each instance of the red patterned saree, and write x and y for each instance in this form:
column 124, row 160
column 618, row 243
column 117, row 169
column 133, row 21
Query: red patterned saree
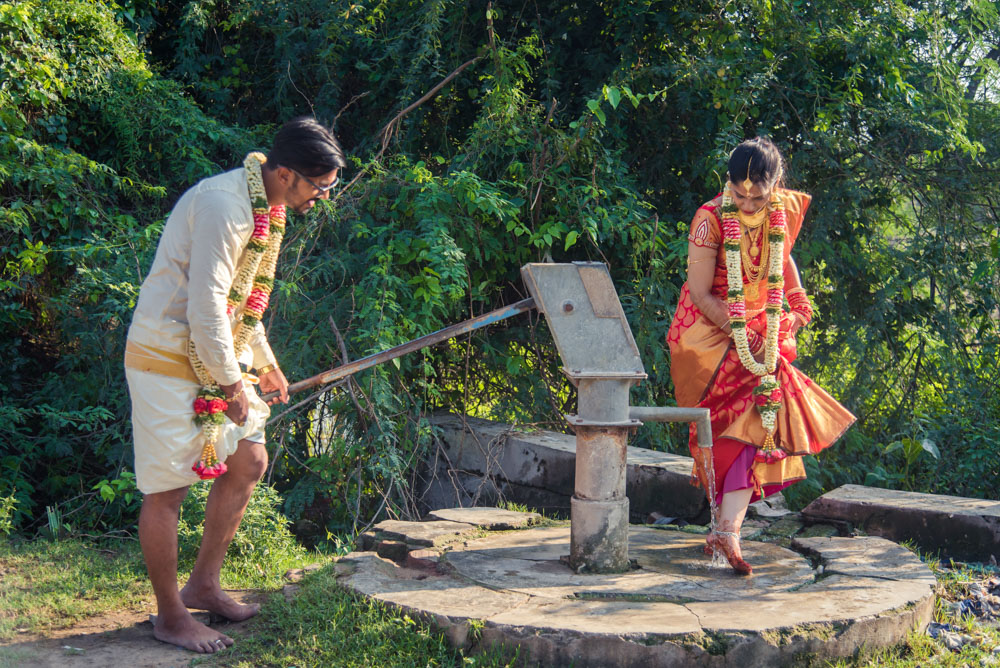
column 707, row 373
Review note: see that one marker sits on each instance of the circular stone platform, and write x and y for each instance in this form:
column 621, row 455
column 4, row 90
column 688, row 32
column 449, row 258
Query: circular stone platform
column 825, row 598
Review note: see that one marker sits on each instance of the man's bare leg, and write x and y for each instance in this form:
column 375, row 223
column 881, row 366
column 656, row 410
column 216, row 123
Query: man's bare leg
column 158, row 537
column 226, row 504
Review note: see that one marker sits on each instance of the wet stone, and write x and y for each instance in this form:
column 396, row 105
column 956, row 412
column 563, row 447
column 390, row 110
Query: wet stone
column 818, row 531
column 492, row 519
column 785, row 527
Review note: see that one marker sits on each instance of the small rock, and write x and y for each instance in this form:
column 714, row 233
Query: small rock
column 762, row 509
column 934, row 629
column 952, row 641
column 777, row 501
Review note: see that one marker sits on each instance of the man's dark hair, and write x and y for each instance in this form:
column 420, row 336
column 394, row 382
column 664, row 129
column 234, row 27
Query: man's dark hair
column 307, row 147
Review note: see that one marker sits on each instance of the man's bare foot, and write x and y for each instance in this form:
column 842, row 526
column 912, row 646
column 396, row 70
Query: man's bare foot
column 218, row 602
column 187, row 632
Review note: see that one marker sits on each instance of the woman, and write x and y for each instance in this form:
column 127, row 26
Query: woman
column 732, row 343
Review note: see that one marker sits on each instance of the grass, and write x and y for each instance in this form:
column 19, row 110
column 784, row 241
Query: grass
column 324, row 625
column 920, row 650
column 55, row 584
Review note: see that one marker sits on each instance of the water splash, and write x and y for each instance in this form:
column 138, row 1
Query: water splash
column 718, row 558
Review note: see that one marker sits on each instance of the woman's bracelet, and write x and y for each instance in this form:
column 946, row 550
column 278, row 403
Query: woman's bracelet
column 235, row 396
column 798, row 300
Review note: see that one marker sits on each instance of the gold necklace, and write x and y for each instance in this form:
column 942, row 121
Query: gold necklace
column 753, row 220
column 754, row 268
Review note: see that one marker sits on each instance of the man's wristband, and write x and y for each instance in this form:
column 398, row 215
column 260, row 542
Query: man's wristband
column 235, row 396
column 267, row 368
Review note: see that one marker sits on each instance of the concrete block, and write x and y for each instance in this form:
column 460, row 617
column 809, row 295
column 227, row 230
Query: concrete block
column 957, row 527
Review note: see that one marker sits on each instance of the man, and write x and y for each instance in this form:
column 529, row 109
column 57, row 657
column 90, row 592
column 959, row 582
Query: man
column 184, row 298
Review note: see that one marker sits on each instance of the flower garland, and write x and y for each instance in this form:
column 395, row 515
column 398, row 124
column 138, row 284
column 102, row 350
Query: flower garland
column 767, row 393
column 256, row 277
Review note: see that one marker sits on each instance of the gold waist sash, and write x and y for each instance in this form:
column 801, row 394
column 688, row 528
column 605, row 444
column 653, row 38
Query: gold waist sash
column 151, row 359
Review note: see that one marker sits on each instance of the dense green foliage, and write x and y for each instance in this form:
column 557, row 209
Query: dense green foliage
column 574, row 131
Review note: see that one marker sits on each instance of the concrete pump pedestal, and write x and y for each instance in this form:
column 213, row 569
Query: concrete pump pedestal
column 824, row 598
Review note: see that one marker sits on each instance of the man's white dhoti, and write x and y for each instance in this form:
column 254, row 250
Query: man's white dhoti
column 167, row 441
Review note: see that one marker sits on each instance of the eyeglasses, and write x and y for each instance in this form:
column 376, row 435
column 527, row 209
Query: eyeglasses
column 322, row 189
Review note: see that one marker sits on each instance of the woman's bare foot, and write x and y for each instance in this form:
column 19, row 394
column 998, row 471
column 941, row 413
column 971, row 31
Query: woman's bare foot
column 187, row 632
column 728, row 542
column 218, row 602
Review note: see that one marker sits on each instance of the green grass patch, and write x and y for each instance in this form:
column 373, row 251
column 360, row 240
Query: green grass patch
column 56, row 584
column 325, row 625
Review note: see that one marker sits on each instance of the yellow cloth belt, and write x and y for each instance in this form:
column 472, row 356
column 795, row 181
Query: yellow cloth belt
column 159, row 361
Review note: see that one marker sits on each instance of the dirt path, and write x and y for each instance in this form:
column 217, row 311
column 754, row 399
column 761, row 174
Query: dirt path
column 109, row 641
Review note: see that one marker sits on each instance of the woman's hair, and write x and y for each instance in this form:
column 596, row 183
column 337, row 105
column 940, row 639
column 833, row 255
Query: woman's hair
column 302, row 144
column 759, row 160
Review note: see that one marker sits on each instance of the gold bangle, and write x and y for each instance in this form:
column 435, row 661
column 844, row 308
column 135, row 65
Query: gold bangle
column 232, row 398
column 267, row 368
column 792, row 291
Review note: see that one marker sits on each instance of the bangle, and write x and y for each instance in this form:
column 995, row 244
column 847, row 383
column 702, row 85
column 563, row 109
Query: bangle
column 798, row 300
column 232, row 398
column 267, row 368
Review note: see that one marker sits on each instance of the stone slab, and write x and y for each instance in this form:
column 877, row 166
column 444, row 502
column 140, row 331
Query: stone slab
column 958, row 527
column 674, row 610
column 837, row 599
column 427, row 534
column 866, row 556
column 546, row 460
column 494, row 519
column 413, row 589
column 619, row 618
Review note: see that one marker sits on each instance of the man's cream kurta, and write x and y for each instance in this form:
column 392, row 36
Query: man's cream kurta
column 182, row 298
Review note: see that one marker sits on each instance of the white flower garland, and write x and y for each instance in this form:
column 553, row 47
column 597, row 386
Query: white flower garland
column 256, row 277
column 767, row 394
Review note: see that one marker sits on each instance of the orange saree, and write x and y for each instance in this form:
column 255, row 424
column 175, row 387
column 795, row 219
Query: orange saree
column 707, row 373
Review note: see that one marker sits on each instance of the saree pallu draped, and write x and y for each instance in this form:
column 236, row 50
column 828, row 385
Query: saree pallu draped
column 707, row 373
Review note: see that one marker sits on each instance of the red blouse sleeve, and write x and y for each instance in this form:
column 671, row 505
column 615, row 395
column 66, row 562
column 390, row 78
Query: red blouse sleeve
column 705, row 229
